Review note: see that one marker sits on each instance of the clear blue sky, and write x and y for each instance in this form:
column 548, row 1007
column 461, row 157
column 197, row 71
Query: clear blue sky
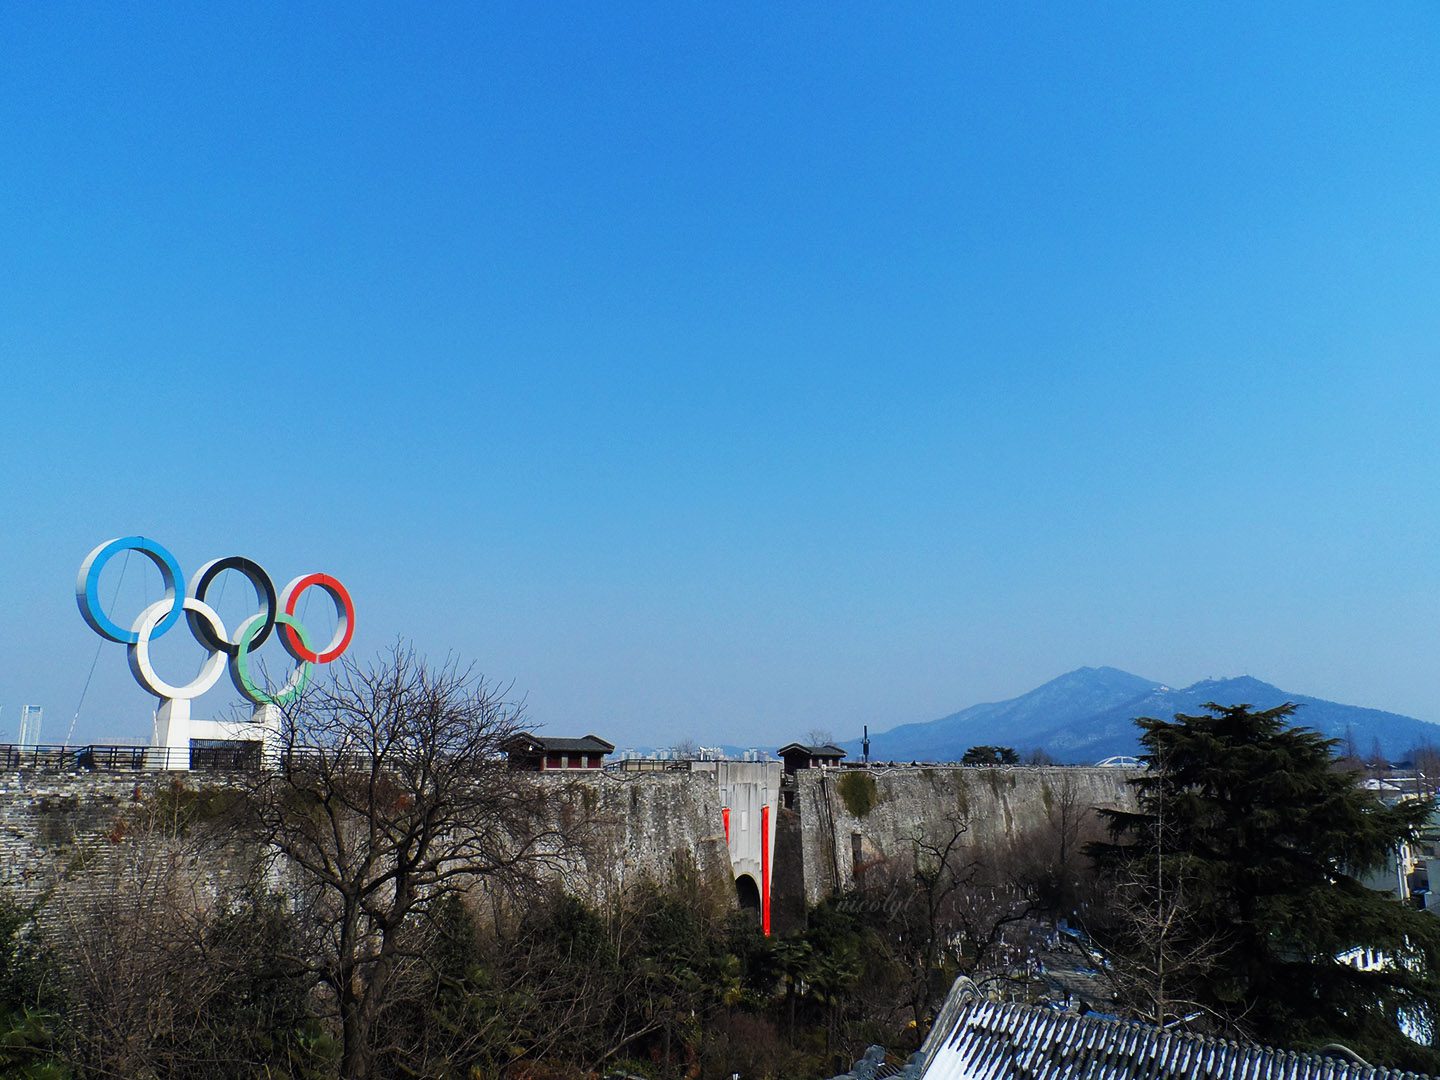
column 727, row 373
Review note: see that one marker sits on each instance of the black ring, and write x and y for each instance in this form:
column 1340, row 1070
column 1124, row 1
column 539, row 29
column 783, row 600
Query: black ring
column 264, row 589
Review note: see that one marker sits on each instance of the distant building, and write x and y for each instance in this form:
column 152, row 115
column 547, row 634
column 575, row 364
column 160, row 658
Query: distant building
column 542, row 753
column 798, row 756
column 1411, row 872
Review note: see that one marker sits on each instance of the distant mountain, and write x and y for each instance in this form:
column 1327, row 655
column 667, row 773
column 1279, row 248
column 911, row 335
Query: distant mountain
column 1089, row 714
column 1067, row 701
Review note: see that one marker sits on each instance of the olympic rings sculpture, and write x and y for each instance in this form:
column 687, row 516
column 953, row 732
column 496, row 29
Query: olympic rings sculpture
column 276, row 609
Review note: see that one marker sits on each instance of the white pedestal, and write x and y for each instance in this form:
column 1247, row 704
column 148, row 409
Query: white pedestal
column 172, row 733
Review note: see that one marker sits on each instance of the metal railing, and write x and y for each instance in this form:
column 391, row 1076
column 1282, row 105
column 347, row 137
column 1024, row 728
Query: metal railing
column 45, row 758
column 236, row 757
column 54, row 758
column 647, row 765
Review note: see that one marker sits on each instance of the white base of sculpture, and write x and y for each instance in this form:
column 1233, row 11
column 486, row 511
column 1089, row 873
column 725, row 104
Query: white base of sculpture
column 174, row 729
column 172, row 733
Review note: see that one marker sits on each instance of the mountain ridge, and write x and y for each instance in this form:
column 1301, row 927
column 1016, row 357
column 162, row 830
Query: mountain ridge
column 1089, row 713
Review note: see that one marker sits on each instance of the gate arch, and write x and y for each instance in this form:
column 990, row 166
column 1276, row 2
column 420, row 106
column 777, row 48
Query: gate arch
column 747, row 892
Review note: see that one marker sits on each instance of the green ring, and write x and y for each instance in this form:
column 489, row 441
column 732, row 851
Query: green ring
column 240, row 662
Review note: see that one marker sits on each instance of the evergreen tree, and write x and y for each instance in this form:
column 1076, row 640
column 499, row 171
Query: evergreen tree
column 990, row 755
column 1249, row 820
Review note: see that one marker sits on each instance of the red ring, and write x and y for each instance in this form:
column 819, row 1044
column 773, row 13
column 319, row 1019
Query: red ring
column 337, row 593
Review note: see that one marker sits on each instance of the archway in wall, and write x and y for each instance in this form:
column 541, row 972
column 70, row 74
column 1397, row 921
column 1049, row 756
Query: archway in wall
column 747, row 893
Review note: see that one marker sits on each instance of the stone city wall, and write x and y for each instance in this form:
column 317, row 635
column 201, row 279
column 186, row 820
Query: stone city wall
column 631, row 825
column 847, row 815
column 53, row 825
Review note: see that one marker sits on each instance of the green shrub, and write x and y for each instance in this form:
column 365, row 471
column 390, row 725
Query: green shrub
column 859, row 793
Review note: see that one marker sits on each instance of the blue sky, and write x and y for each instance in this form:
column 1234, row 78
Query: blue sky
column 729, row 373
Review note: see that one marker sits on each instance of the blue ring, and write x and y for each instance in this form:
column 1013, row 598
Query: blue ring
column 169, row 569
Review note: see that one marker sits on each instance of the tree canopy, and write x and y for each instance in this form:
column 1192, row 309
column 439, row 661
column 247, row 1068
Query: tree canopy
column 1245, row 860
column 990, row 755
column 387, row 794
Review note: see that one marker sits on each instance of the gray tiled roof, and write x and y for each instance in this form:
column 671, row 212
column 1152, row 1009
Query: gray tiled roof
column 976, row 1039
column 993, row 1041
column 823, row 750
column 590, row 744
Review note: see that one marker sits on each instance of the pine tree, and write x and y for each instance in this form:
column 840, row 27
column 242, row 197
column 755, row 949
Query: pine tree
column 1258, row 843
column 990, row 755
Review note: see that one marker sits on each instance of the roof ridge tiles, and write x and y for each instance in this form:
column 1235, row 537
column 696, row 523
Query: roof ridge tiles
column 990, row 1040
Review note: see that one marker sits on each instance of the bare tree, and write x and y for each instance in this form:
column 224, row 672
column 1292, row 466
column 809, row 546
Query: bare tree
column 1349, row 757
column 1154, row 951
column 388, row 795
column 1066, row 814
column 946, row 910
column 1152, row 930
column 121, row 926
column 166, row 950
column 1426, row 759
column 818, row 736
column 560, row 977
column 1055, row 850
column 1375, row 762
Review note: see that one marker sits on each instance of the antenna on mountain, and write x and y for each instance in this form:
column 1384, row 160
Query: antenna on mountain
column 865, row 744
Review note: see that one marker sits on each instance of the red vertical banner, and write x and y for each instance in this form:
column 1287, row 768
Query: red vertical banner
column 765, row 870
column 725, row 815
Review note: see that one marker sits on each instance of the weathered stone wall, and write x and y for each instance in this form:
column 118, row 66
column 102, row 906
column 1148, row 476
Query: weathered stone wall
column 787, row 878
column 632, row 825
column 1000, row 805
column 628, row 826
column 52, row 823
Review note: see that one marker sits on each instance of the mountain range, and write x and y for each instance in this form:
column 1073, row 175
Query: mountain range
column 1088, row 714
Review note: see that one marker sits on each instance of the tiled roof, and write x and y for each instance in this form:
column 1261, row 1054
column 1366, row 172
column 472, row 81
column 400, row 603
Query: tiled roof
column 826, row 750
column 590, row 744
column 992, row 1041
column 974, row 1039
